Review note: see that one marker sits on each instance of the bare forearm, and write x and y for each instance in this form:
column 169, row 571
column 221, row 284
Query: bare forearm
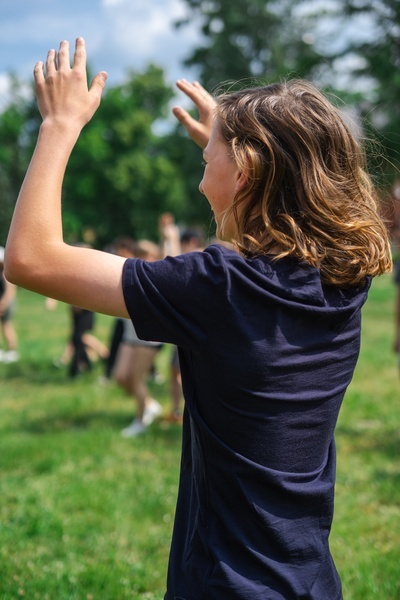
column 36, row 256
column 36, row 228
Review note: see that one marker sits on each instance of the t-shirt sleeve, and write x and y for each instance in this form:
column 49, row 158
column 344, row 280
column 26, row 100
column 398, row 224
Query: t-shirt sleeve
column 170, row 300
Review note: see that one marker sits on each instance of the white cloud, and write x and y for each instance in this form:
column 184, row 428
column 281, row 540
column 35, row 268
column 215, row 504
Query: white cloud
column 138, row 35
column 25, row 90
column 120, row 34
column 4, row 90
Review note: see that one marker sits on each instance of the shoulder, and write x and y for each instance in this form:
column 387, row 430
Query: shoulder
column 172, row 269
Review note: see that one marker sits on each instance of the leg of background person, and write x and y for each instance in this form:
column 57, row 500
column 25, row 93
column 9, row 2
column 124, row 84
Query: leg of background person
column 116, row 338
column 147, row 409
column 80, row 359
column 10, row 335
column 67, row 353
column 123, row 365
column 175, row 388
column 10, row 354
column 144, row 357
column 95, row 347
column 176, row 394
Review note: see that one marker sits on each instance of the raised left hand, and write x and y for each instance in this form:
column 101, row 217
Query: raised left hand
column 63, row 96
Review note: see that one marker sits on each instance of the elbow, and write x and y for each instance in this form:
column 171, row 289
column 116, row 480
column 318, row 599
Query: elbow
column 11, row 270
column 30, row 269
column 16, row 268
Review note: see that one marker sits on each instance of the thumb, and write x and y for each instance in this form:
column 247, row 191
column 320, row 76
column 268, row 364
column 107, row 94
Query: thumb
column 194, row 128
column 191, row 125
column 98, row 83
column 182, row 115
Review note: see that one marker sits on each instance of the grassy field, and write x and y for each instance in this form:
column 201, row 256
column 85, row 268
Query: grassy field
column 87, row 515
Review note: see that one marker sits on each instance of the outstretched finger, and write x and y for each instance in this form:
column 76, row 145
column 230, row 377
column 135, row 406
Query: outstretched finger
column 63, row 56
column 38, row 73
column 187, row 88
column 196, row 93
column 51, row 62
column 80, row 53
column 203, row 93
column 198, row 132
column 184, row 117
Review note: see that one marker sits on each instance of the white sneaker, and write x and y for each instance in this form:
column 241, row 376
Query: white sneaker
column 134, row 429
column 151, row 411
column 10, row 356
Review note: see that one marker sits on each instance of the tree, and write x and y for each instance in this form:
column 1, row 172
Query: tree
column 119, row 177
column 15, row 150
column 378, row 63
column 122, row 174
column 247, row 40
column 349, row 47
column 362, row 66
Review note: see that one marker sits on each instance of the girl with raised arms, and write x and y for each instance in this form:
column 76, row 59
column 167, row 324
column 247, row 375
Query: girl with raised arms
column 268, row 334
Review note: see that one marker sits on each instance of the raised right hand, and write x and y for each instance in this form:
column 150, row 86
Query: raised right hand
column 199, row 130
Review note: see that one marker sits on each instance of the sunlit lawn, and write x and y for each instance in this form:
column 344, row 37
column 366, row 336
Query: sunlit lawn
column 87, row 514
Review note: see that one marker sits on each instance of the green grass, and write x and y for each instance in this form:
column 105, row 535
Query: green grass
column 87, row 515
column 366, row 535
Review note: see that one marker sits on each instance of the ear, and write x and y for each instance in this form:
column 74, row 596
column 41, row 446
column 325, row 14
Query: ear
column 241, row 181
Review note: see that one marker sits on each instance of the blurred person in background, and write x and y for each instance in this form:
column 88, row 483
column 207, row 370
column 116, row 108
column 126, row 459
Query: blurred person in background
column 135, row 362
column 7, row 303
column 174, row 243
column 125, row 247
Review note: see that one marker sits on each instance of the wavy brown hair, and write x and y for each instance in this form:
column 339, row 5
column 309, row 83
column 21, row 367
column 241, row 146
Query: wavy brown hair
column 308, row 192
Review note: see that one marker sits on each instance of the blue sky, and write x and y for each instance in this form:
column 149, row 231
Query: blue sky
column 123, row 35
column 120, row 35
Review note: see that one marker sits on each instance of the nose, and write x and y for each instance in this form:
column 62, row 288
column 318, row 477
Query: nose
column 201, row 187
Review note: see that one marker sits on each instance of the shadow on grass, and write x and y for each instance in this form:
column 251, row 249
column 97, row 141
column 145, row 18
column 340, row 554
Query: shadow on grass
column 99, row 420
column 36, row 372
column 96, row 421
column 369, row 436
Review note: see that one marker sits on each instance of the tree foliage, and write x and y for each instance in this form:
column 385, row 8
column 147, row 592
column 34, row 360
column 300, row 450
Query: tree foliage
column 269, row 40
column 379, row 63
column 120, row 177
column 126, row 170
column 247, row 40
column 15, row 150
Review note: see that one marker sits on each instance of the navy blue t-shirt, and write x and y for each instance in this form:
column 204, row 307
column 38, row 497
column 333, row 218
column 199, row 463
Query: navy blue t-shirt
column 266, row 354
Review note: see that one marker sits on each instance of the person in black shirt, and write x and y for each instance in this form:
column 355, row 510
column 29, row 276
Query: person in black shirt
column 268, row 333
